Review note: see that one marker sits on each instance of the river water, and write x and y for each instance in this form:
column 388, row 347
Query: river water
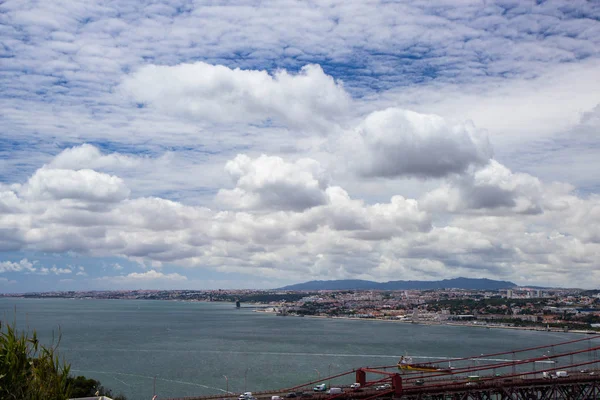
column 189, row 349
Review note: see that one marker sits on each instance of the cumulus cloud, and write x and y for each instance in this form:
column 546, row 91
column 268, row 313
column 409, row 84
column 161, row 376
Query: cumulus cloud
column 54, row 270
column 152, row 274
column 397, row 142
column 23, row 265
column 83, row 184
column 269, row 182
column 309, row 99
column 368, row 222
column 87, row 156
column 9, row 202
column 338, row 236
column 492, row 189
column 58, row 271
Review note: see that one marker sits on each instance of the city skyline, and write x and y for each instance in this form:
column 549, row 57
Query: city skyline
column 206, row 145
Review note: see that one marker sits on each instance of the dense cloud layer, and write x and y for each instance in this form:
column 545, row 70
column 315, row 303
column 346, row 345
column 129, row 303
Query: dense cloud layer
column 529, row 227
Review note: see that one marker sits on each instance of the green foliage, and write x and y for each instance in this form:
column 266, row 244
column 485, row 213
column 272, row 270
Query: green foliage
column 85, row 387
column 29, row 370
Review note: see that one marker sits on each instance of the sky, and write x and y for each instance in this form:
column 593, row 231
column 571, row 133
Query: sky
column 246, row 144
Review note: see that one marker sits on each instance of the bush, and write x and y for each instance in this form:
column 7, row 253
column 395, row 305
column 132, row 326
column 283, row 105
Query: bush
column 85, row 387
column 29, row 370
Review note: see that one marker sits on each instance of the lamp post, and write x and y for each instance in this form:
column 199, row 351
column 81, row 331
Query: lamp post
column 245, row 375
column 318, row 374
column 329, row 383
column 226, row 383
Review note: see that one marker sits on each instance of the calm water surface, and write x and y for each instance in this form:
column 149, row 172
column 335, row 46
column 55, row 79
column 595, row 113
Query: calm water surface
column 191, row 347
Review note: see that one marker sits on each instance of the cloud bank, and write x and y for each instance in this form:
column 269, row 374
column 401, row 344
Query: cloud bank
column 271, row 143
column 293, row 222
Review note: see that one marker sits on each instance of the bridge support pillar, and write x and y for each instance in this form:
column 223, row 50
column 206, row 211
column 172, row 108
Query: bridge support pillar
column 361, row 377
column 397, row 384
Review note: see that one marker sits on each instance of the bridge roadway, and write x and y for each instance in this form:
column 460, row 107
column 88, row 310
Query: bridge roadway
column 468, row 379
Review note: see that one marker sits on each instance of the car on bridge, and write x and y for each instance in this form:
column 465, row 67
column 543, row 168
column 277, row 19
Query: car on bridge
column 385, row 386
column 320, row 388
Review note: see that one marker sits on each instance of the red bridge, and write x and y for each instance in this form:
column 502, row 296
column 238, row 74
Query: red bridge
column 564, row 371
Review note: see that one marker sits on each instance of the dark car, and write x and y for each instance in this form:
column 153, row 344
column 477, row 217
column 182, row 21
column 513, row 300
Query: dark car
column 419, row 382
column 291, row 395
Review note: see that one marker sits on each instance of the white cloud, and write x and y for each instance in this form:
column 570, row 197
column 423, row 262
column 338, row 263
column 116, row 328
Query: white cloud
column 151, row 278
column 368, row 222
column 152, row 274
column 23, row 265
column 53, row 270
column 84, row 184
column 396, row 142
column 492, row 189
column 87, row 156
column 525, row 223
column 272, row 183
column 60, row 271
column 310, row 99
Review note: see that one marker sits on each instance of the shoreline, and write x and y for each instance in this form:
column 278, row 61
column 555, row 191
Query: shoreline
column 524, row 328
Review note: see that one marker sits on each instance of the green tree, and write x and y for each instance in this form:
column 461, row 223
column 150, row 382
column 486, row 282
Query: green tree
column 85, row 387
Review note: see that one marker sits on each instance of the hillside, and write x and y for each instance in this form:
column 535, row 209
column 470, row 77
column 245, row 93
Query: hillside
column 356, row 284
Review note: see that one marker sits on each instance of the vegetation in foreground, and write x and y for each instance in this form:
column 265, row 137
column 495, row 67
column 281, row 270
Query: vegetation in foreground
column 32, row 371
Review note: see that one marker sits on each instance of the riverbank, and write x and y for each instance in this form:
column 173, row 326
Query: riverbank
column 446, row 323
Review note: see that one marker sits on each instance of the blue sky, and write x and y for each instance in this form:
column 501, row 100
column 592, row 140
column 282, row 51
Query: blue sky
column 242, row 144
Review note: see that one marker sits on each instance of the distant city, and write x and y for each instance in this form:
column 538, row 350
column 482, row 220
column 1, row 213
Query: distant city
column 572, row 310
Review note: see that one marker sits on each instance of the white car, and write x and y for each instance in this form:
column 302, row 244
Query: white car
column 385, row 386
column 320, row 388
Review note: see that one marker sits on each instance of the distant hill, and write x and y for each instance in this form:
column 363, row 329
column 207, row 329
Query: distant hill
column 357, row 284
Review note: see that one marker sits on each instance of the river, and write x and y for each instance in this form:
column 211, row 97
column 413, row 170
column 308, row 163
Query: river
column 191, row 349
